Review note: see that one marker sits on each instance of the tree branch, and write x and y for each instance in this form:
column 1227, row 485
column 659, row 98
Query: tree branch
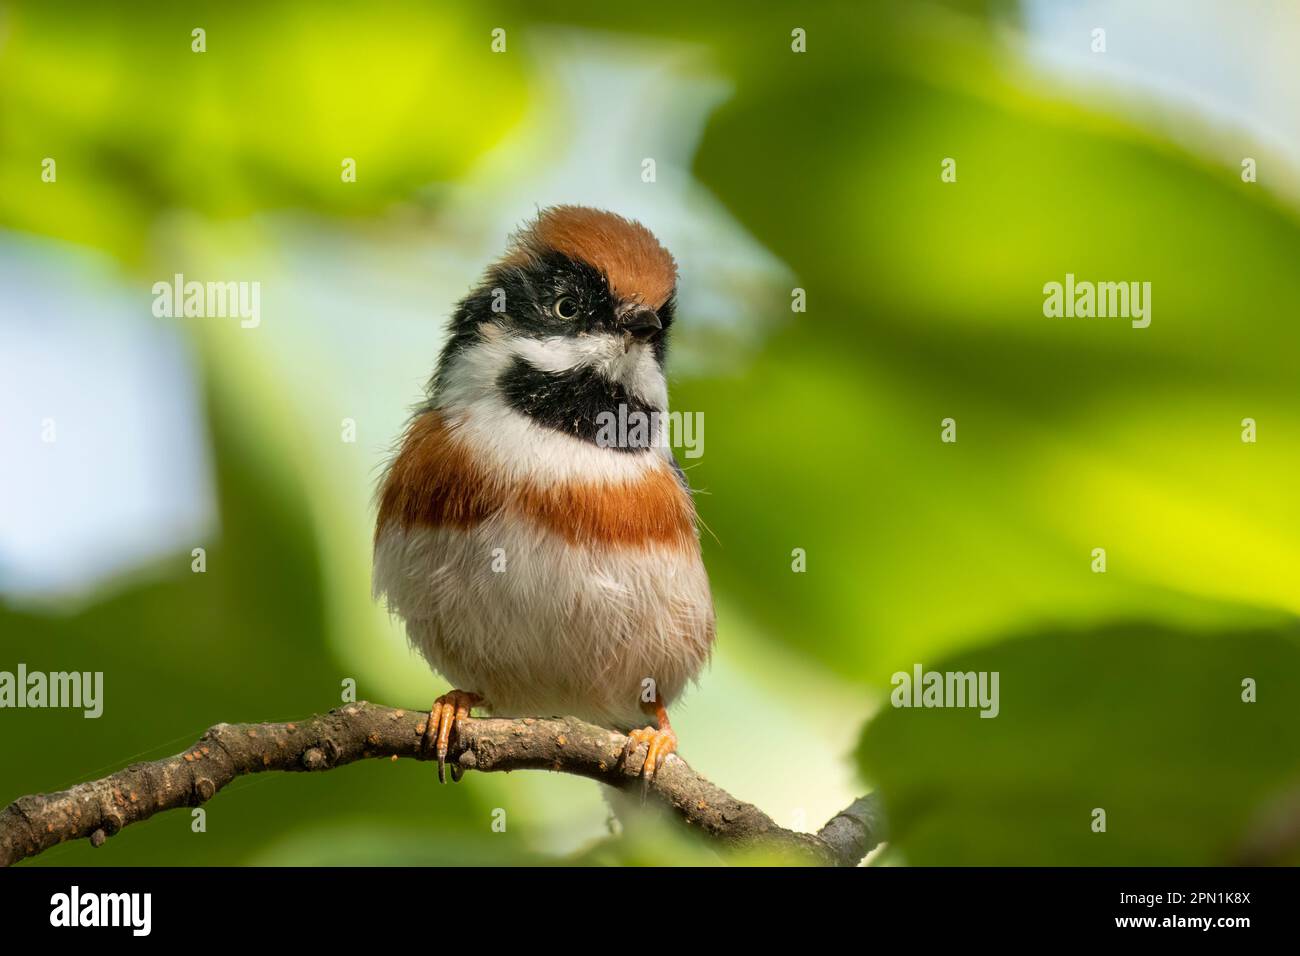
column 101, row 808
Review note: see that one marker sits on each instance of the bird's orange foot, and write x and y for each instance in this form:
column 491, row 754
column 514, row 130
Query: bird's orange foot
column 445, row 715
column 661, row 742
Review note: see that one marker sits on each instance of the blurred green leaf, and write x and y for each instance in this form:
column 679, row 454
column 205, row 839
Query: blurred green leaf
column 1144, row 722
column 925, row 302
column 142, row 126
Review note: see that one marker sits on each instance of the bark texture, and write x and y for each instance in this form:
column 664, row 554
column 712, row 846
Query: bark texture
column 101, row 808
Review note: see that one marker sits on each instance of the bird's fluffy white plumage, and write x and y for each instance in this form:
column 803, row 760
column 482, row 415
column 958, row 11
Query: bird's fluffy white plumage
column 564, row 628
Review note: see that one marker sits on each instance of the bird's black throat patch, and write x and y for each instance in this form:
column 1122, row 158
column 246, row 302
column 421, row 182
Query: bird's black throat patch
column 579, row 402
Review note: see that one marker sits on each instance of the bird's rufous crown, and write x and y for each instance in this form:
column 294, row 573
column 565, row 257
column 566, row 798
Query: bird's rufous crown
column 637, row 267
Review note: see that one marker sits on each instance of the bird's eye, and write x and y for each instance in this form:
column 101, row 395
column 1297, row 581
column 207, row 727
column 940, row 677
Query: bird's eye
column 565, row 308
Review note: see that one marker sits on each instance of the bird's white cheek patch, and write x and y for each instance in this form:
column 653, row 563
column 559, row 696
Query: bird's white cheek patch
column 561, row 353
column 641, row 375
column 634, row 368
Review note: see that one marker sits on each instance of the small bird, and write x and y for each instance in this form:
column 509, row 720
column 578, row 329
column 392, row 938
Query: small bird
column 540, row 567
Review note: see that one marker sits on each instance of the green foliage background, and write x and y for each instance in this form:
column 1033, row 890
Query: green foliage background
column 1119, row 691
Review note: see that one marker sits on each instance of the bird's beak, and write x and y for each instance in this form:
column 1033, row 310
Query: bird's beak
column 641, row 323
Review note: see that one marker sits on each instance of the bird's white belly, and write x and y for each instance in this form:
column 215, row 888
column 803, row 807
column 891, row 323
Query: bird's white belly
column 542, row 627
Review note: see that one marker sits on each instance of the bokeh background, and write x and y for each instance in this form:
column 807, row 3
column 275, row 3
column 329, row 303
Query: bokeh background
column 775, row 170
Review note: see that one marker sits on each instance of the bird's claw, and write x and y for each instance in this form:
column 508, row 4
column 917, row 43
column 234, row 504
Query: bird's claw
column 446, row 714
column 660, row 743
